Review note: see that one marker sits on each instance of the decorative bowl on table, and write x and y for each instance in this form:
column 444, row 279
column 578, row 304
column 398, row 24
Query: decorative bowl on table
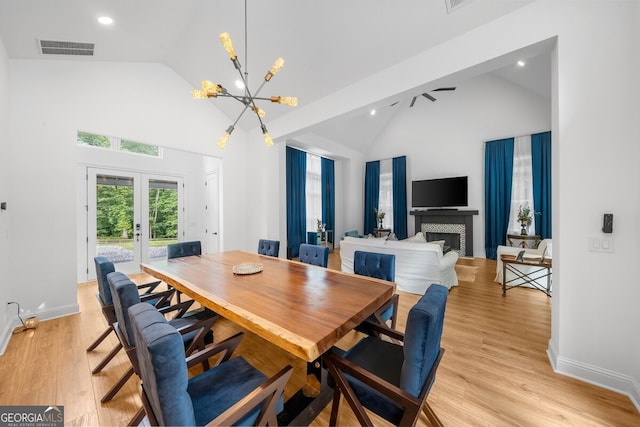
column 247, row 268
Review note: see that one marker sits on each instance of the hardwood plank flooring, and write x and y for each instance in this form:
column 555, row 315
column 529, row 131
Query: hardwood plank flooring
column 495, row 371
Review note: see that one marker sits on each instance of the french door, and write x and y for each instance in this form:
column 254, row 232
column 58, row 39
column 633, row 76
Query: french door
column 131, row 217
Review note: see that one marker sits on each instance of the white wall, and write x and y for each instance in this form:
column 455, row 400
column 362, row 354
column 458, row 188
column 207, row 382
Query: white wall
column 446, row 138
column 5, row 177
column 51, row 101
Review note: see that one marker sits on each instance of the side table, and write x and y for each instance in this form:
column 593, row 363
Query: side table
column 536, row 269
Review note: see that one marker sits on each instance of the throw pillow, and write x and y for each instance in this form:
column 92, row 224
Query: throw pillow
column 438, row 242
column 392, row 236
column 419, row 237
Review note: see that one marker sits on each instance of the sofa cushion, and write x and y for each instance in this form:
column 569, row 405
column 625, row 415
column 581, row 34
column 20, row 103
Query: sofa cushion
column 419, row 237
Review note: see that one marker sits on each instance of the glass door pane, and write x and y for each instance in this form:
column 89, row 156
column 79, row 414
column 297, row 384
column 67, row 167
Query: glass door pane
column 114, row 219
column 163, row 217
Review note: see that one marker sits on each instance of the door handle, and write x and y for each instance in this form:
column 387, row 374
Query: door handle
column 215, row 233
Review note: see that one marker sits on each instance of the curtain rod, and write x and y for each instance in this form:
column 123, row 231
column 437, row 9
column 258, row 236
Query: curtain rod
column 514, row 137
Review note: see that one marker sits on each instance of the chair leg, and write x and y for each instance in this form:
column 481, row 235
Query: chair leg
column 335, row 407
column 117, row 386
column 138, row 417
column 433, row 418
column 100, row 338
column 107, row 359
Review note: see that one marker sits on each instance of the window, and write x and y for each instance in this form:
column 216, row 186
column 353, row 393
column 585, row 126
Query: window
column 521, row 184
column 118, row 144
column 385, row 200
column 313, row 191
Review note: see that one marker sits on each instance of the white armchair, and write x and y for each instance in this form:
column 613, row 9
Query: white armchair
column 544, row 248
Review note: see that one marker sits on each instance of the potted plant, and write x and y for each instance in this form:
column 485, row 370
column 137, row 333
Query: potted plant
column 524, row 218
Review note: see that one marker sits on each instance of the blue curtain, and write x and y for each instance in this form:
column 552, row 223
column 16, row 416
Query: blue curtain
column 541, row 170
column 498, row 172
column 296, row 200
column 371, row 195
column 399, row 170
column 328, row 193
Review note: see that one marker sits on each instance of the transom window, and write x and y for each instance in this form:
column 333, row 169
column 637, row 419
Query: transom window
column 118, row 144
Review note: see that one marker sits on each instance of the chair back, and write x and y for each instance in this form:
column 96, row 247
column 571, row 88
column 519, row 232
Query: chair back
column 314, row 254
column 422, row 339
column 125, row 294
column 269, row 247
column 103, row 268
column 161, row 360
column 182, row 249
column 380, row 266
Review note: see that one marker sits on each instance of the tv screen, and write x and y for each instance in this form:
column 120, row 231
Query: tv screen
column 439, row 193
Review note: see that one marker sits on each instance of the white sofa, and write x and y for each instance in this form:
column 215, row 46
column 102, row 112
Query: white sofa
column 543, row 248
column 418, row 264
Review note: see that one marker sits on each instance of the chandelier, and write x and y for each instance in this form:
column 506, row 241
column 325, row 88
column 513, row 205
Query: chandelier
column 248, row 99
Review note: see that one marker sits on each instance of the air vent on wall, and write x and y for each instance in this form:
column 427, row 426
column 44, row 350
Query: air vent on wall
column 452, row 5
column 52, row 47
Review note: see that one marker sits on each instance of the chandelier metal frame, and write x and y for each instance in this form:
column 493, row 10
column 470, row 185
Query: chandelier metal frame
column 213, row 90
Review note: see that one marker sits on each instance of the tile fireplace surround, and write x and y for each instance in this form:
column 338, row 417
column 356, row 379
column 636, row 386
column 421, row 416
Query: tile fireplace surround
column 448, row 221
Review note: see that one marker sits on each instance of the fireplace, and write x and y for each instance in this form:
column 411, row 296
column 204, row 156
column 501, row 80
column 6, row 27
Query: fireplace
column 453, row 226
column 452, row 240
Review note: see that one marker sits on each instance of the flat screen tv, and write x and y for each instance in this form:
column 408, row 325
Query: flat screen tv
column 439, row 193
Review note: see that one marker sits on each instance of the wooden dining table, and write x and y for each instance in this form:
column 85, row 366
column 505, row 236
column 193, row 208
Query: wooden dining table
column 301, row 308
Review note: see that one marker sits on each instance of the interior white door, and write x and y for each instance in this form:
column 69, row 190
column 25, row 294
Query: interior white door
column 213, row 211
column 131, row 217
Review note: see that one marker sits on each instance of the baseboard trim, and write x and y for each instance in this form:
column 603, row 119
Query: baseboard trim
column 14, row 322
column 605, row 378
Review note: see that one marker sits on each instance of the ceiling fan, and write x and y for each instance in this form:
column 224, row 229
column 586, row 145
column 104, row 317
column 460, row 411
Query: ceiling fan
column 429, row 97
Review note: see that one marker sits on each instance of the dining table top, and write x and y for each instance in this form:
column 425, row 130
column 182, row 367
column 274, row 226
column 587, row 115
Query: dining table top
column 303, row 309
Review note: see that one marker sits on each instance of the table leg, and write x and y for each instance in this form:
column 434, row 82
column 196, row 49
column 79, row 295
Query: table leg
column 504, row 279
column 304, row 406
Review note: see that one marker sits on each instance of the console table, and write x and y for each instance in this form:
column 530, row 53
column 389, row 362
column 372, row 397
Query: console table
column 534, row 269
column 322, row 238
column 524, row 240
column 381, row 232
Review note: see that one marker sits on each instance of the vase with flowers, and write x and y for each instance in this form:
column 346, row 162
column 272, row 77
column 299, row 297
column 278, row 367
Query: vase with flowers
column 524, row 218
column 379, row 217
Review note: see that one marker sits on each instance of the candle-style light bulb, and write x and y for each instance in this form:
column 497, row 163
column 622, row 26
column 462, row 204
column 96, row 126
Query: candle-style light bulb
column 225, row 38
column 267, row 138
column 291, row 101
column 210, row 88
column 198, row 94
column 277, row 66
column 222, row 142
column 259, row 111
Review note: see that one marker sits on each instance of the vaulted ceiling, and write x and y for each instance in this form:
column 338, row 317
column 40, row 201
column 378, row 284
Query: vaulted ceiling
column 327, row 45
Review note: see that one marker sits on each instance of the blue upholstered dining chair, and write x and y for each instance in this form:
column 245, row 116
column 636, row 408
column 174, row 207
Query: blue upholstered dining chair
column 232, row 392
column 182, row 249
column 104, row 267
column 390, row 379
column 380, row 266
column 269, row 247
column 314, row 254
column 195, row 327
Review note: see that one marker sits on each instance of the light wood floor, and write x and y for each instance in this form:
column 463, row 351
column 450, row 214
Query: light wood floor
column 495, row 371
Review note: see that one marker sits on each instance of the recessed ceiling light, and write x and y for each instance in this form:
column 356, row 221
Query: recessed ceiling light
column 373, row 112
column 105, row 20
column 239, row 84
column 521, row 63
